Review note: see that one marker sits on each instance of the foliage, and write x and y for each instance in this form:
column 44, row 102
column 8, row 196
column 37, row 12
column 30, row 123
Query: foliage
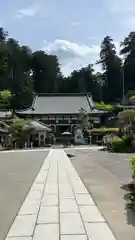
column 127, row 116
column 133, row 168
column 128, row 138
column 20, row 130
column 132, row 98
column 120, row 144
column 128, row 52
column 130, row 93
column 25, row 73
column 117, row 144
column 105, row 130
column 5, row 95
column 130, row 196
column 117, row 139
column 103, row 106
column 84, row 119
column 82, row 80
column 46, row 72
column 5, row 99
column 111, row 65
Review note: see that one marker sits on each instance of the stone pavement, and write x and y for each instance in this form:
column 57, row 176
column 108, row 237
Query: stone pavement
column 58, row 206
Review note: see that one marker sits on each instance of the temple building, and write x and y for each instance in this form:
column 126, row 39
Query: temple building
column 61, row 111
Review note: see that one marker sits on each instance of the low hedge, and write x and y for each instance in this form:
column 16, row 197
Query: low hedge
column 117, row 144
column 103, row 106
column 133, row 168
column 105, row 130
column 123, row 144
column 130, row 197
column 132, row 99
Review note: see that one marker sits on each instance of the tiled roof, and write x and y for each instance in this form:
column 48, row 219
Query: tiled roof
column 40, row 126
column 60, row 104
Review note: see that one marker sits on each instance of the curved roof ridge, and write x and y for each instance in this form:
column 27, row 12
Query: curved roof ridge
column 35, row 121
column 90, row 101
column 41, row 123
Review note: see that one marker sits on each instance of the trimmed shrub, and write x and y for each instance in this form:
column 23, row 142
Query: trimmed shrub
column 117, row 144
column 105, row 130
column 103, row 106
column 130, row 93
column 133, row 99
column 133, row 168
column 127, row 138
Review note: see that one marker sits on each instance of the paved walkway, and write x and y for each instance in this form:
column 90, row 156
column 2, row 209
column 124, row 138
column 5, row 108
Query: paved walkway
column 86, row 147
column 58, row 206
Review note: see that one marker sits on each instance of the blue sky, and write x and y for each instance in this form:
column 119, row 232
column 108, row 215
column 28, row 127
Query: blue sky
column 71, row 29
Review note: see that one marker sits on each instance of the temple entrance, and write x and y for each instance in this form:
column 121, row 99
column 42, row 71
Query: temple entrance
column 61, row 129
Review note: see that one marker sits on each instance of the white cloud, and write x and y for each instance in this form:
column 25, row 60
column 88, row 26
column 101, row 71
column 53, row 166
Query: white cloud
column 72, row 55
column 28, row 12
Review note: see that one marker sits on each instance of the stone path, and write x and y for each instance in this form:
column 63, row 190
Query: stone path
column 58, row 206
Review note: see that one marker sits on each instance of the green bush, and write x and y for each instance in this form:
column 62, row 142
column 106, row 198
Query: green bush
column 133, row 99
column 5, row 99
column 133, row 168
column 117, row 144
column 105, row 130
column 130, row 93
column 103, row 106
column 127, row 138
column 124, row 144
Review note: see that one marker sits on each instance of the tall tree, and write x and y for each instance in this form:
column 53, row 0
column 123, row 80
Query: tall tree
column 111, row 65
column 19, row 69
column 3, row 59
column 128, row 51
column 3, row 35
column 99, row 87
column 46, row 72
column 82, row 80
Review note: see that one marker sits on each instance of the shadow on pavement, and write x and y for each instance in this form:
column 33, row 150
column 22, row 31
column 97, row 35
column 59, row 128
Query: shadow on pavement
column 129, row 197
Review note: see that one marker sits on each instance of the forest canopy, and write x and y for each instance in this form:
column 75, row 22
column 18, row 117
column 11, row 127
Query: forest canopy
column 24, row 72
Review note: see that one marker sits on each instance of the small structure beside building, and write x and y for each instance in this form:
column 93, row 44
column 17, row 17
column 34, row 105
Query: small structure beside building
column 3, row 137
column 41, row 134
column 4, row 133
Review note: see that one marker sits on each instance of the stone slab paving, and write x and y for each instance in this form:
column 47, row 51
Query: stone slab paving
column 58, row 206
